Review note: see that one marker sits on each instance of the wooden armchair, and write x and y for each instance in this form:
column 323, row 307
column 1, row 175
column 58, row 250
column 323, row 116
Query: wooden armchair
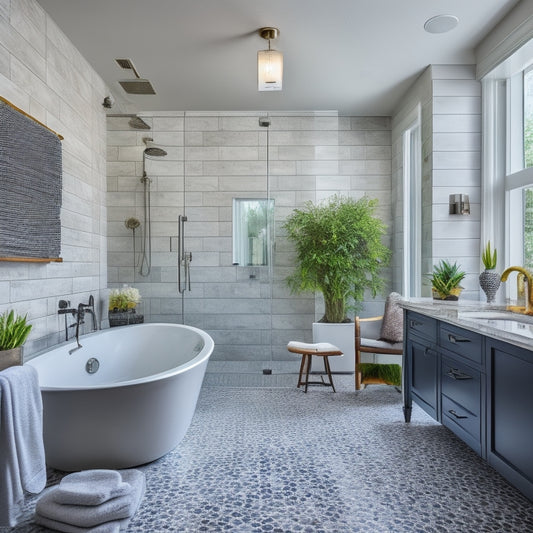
column 378, row 335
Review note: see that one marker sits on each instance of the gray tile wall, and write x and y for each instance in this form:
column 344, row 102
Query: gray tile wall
column 248, row 310
column 44, row 75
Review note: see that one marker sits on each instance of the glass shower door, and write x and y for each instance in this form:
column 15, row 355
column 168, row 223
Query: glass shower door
column 226, row 231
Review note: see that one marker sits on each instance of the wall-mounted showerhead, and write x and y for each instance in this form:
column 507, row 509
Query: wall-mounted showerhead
column 264, row 122
column 152, row 150
column 138, row 123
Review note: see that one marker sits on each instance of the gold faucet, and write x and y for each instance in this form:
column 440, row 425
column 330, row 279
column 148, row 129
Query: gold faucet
column 523, row 274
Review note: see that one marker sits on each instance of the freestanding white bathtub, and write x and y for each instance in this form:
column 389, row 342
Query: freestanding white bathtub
column 134, row 408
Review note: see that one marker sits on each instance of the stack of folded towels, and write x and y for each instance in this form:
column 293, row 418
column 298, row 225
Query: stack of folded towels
column 99, row 501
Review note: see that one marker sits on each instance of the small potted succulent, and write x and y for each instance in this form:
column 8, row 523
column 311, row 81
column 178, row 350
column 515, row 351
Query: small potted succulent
column 489, row 279
column 446, row 281
column 122, row 306
column 14, row 331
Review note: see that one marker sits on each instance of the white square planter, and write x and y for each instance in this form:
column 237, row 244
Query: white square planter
column 342, row 336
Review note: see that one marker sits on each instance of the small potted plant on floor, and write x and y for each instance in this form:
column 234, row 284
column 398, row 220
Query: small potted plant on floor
column 14, row 331
column 122, row 306
column 446, row 280
column 489, row 279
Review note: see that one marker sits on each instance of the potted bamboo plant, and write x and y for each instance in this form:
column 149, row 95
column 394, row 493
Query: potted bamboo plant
column 446, row 280
column 14, row 331
column 339, row 253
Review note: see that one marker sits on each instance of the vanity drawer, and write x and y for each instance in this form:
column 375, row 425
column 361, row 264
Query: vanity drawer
column 461, row 421
column 461, row 341
column 422, row 325
column 462, row 384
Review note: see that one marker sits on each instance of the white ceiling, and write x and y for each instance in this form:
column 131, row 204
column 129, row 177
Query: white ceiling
column 355, row 56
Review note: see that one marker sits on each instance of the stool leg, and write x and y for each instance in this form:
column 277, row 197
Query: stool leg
column 302, row 364
column 328, row 370
column 307, row 372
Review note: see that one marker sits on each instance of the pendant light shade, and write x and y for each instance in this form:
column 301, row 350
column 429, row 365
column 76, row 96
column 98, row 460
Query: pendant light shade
column 269, row 64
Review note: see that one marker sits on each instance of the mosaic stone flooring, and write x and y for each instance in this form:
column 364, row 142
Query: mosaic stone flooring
column 279, row 460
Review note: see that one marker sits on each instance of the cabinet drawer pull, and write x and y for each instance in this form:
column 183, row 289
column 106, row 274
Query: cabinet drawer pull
column 460, row 417
column 458, row 375
column 429, row 351
column 453, row 339
column 414, row 323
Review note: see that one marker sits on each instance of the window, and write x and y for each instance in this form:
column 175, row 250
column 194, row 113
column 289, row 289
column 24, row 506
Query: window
column 508, row 160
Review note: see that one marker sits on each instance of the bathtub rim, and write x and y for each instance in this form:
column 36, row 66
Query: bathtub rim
column 199, row 359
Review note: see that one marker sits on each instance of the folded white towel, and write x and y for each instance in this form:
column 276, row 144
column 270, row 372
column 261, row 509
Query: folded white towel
column 107, row 517
column 91, row 487
column 22, row 461
column 56, row 525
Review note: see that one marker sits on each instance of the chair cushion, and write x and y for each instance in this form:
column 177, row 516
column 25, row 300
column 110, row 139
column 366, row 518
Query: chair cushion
column 379, row 344
column 392, row 325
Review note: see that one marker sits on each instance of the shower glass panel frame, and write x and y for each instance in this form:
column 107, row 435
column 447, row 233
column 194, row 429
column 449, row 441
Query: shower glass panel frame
column 226, row 162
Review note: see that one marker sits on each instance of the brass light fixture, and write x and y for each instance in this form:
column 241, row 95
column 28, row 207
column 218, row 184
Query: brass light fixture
column 269, row 63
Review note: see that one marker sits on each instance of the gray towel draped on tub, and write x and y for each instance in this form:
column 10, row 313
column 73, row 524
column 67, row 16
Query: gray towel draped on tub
column 22, row 462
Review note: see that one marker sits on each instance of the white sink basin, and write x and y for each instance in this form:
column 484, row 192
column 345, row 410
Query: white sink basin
column 496, row 315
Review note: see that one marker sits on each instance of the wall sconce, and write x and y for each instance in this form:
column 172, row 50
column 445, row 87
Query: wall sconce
column 269, row 64
column 459, row 204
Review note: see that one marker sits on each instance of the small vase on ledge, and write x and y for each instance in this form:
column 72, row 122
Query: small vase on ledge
column 489, row 281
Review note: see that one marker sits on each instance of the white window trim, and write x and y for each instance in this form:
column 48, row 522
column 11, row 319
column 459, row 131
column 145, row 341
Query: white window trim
column 412, row 204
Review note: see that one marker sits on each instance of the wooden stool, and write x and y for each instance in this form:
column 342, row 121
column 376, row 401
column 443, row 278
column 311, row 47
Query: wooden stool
column 306, row 350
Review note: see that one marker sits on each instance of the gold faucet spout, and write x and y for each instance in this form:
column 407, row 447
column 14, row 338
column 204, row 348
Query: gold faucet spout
column 522, row 273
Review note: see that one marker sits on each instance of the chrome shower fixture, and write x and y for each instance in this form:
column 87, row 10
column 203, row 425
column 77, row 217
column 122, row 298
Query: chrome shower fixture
column 151, row 149
column 136, row 85
column 132, row 223
column 264, row 122
column 138, row 123
column 135, row 122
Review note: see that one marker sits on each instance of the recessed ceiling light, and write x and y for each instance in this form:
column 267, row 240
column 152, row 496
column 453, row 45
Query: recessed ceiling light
column 441, row 23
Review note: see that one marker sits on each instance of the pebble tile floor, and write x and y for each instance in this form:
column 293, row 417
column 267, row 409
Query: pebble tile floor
column 265, row 459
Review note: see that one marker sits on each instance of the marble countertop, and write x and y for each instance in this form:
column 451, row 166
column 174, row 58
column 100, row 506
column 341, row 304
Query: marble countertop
column 488, row 319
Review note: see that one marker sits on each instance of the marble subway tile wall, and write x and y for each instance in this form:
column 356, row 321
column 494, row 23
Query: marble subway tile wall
column 214, row 158
column 43, row 74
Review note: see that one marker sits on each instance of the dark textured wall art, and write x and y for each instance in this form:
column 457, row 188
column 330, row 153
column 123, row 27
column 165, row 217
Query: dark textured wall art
column 30, row 187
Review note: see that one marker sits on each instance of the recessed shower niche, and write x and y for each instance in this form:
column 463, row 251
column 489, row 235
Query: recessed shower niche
column 253, row 235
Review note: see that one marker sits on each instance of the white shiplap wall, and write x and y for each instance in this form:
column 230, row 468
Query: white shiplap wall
column 450, row 100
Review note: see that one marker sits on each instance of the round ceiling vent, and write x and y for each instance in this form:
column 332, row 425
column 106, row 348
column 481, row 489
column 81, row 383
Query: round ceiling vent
column 441, row 23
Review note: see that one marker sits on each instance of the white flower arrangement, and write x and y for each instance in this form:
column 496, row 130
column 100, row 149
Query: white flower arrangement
column 124, row 298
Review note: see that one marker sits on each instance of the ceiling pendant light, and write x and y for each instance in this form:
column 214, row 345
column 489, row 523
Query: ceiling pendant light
column 269, row 64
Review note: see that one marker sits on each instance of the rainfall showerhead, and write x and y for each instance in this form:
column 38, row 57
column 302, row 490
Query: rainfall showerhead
column 153, row 150
column 137, row 86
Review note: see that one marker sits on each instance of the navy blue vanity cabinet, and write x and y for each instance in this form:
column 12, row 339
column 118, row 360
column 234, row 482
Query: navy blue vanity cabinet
column 479, row 387
column 462, row 379
column 462, row 409
column 510, row 413
column 421, row 364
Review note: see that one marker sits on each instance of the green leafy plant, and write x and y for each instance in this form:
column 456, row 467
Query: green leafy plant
column 14, row 330
column 489, row 257
column 339, row 252
column 446, row 278
column 125, row 298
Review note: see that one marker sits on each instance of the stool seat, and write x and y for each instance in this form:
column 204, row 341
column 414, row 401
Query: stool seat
column 307, row 350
